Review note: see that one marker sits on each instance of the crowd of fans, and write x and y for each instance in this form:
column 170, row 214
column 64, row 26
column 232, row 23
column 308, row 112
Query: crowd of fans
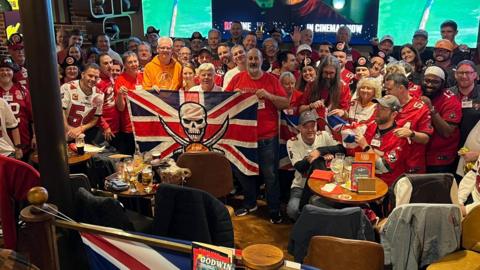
column 419, row 105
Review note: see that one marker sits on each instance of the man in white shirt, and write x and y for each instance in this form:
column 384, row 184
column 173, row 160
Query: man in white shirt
column 206, row 72
column 9, row 122
column 240, row 59
column 308, row 150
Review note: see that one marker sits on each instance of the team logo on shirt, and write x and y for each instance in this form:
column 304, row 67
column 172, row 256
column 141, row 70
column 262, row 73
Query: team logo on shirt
column 75, row 96
column 18, row 95
column 452, row 115
column 392, row 156
column 418, row 104
column 97, row 101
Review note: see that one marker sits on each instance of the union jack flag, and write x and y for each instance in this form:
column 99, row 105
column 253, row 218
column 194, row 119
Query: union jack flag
column 173, row 122
column 288, row 129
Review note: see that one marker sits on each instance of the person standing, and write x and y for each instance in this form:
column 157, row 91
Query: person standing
column 272, row 98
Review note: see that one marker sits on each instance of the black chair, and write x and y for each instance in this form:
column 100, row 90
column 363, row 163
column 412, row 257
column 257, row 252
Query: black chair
column 191, row 214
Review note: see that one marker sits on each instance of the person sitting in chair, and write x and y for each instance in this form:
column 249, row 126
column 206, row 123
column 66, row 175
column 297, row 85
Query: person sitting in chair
column 470, row 184
column 308, row 151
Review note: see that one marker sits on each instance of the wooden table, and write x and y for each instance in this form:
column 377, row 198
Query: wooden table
column 139, row 193
column 73, row 158
column 380, row 186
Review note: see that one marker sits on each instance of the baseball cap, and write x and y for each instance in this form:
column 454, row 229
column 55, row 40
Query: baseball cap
column 8, row 63
column 304, row 47
column 15, row 42
column 205, row 49
column 307, row 116
column 362, row 62
column 151, row 30
column 434, row 70
column 340, row 47
column 387, row 37
column 196, row 35
column 444, row 44
column 70, row 61
column 389, row 101
column 421, row 32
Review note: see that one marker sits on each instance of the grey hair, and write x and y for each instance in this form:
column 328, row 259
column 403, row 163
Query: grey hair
column 206, row 67
column 286, row 74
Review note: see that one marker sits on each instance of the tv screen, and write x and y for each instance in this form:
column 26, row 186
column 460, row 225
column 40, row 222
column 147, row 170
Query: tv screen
column 401, row 18
column 324, row 17
column 178, row 18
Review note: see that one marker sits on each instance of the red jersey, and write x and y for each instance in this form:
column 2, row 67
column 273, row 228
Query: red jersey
column 393, row 151
column 110, row 115
column 18, row 97
column 21, row 77
column 79, row 107
column 414, row 90
column 344, row 102
column 294, row 103
column 347, row 76
column 352, row 57
column 441, row 150
column 267, row 117
column 131, row 84
column 416, row 115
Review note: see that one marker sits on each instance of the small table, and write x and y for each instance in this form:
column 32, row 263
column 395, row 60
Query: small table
column 380, row 186
column 73, row 158
column 139, row 193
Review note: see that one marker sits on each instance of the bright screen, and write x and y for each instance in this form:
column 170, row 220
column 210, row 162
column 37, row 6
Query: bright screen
column 401, row 18
column 178, row 18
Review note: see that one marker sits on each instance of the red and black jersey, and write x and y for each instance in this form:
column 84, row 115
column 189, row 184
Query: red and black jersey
column 416, row 116
column 110, row 115
column 18, row 97
column 393, row 151
column 441, row 150
column 21, row 77
column 347, row 76
column 415, row 90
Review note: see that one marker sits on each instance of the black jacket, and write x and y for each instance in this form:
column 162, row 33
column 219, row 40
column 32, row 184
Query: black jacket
column 191, row 214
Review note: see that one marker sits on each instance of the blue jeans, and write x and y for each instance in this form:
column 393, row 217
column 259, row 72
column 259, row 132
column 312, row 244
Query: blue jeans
column 292, row 207
column 267, row 151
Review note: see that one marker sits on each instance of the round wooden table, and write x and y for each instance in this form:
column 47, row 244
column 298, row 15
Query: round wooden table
column 352, row 197
column 73, row 158
column 139, row 193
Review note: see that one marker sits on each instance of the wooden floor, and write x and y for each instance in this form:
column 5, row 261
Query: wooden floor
column 256, row 228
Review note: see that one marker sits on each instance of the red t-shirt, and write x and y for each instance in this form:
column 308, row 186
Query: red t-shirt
column 344, row 102
column 417, row 114
column 110, row 115
column 347, row 76
column 395, row 154
column 294, row 102
column 441, row 150
column 267, row 117
column 415, row 90
column 18, row 97
column 130, row 83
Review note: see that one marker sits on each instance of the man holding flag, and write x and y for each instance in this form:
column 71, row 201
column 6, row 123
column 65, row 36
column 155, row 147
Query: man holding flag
column 271, row 99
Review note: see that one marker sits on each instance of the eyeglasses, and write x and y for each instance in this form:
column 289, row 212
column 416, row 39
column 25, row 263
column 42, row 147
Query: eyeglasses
column 464, row 73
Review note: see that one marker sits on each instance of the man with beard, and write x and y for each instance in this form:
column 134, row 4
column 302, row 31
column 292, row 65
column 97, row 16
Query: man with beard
column 109, row 122
column 144, row 54
column 413, row 121
column 16, row 51
column 103, row 45
column 390, row 150
column 82, row 104
column 196, row 43
column 327, row 92
column 225, row 57
column 446, row 112
column 270, row 50
column 271, row 99
column 420, row 41
column 324, row 49
column 163, row 72
column 442, row 53
column 240, row 60
column 236, row 33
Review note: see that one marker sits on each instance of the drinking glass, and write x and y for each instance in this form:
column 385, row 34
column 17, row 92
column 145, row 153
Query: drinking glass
column 347, row 170
column 337, row 167
column 147, row 175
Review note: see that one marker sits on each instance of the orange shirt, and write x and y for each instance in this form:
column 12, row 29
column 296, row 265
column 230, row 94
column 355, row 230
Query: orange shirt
column 164, row 77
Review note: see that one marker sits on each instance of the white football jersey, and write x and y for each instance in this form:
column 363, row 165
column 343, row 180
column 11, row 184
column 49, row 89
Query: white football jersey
column 7, row 120
column 80, row 108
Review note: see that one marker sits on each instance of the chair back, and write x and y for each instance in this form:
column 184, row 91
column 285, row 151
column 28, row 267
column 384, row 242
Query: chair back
column 471, row 230
column 425, row 188
column 211, row 172
column 328, row 252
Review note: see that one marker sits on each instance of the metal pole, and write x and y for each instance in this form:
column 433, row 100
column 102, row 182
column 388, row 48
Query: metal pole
column 36, row 17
